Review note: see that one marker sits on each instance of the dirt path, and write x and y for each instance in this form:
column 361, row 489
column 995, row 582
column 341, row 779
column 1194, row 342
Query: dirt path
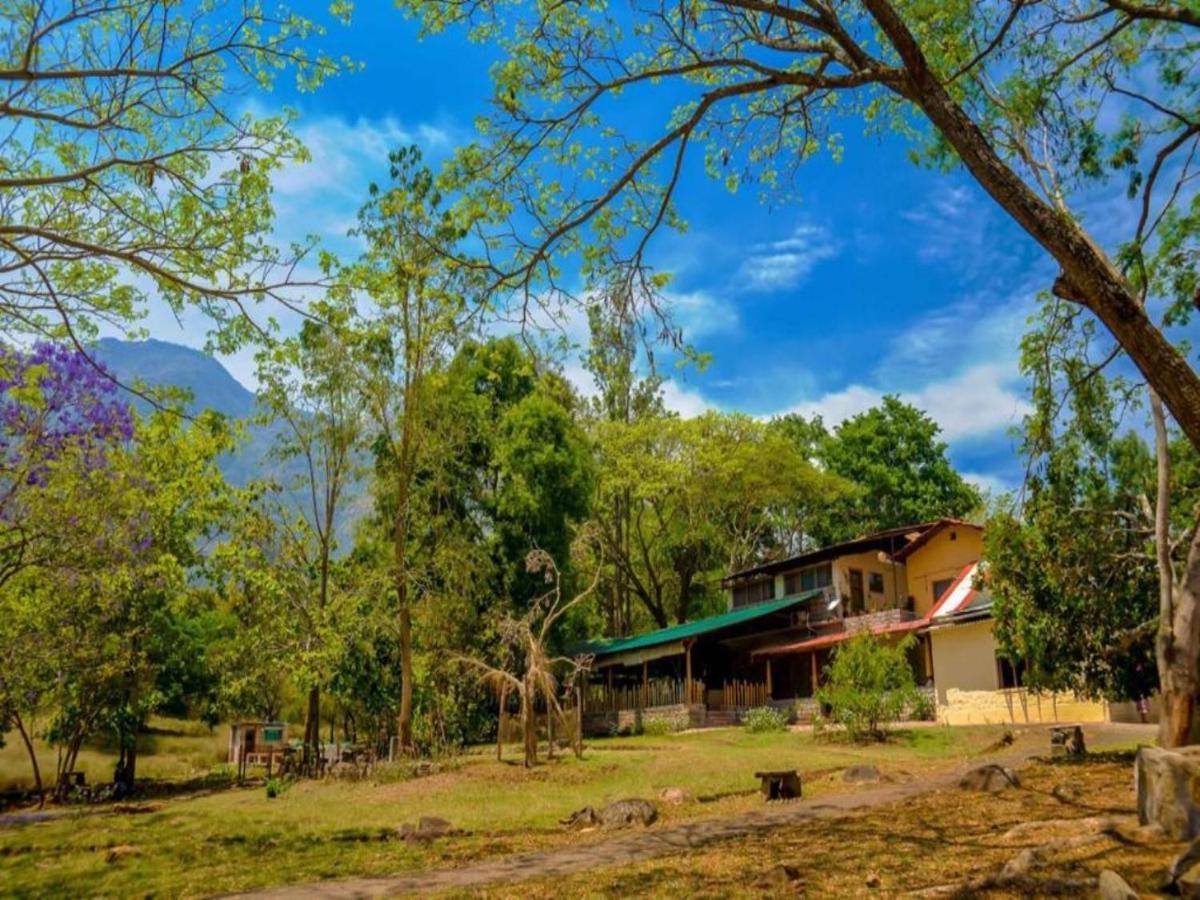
column 637, row 846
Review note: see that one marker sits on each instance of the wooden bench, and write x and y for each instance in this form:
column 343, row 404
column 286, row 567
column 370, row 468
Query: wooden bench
column 783, row 785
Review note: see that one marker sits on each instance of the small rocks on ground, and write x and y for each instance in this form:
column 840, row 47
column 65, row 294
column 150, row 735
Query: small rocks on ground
column 1113, row 887
column 675, row 796
column 615, row 815
column 989, row 778
column 120, row 852
column 861, row 774
column 873, row 880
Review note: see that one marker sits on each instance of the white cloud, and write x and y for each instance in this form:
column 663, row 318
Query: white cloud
column 988, row 484
column 976, row 402
column 699, row 314
column 781, row 264
column 685, row 401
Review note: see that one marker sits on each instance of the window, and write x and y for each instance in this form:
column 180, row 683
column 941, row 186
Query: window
column 808, row 579
column 940, row 587
column 1011, row 674
column 858, row 599
column 272, row 735
column 754, row 592
column 875, row 584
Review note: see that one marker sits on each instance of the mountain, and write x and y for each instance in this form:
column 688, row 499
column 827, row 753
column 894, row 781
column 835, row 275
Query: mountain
column 160, row 363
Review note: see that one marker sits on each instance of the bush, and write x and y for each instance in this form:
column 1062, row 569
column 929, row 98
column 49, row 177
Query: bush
column 869, row 685
column 923, row 709
column 276, row 787
column 765, row 718
column 657, row 727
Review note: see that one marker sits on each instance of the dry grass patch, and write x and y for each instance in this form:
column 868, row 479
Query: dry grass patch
column 946, row 838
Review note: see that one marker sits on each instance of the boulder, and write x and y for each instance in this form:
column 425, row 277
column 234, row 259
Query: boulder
column 989, row 778
column 426, row 830
column 781, row 878
column 1113, row 887
column 675, row 796
column 628, row 812
column 1168, row 790
column 1067, row 740
column 873, row 881
column 862, row 774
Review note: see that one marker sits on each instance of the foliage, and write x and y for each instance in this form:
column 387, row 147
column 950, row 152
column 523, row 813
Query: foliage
column 898, row 467
column 868, row 685
column 765, row 718
column 132, row 169
column 277, row 787
column 1073, row 568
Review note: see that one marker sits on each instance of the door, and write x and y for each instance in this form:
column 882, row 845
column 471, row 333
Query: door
column 857, row 596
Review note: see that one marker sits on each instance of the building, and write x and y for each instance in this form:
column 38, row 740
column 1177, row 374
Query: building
column 786, row 617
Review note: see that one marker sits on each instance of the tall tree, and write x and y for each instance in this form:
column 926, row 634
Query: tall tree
column 418, row 308
column 893, row 456
column 130, row 171
column 1038, row 102
column 307, row 388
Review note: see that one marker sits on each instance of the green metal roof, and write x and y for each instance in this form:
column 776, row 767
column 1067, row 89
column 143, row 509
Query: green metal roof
column 696, row 628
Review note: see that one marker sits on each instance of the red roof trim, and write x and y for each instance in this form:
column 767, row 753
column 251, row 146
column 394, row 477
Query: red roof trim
column 965, row 573
column 828, row 640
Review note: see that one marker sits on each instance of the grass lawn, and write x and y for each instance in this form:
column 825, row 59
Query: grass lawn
column 946, row 837
column 236, row 838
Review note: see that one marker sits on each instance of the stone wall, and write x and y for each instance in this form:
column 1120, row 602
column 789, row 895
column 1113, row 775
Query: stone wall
column 634, row 721
column 881, row 619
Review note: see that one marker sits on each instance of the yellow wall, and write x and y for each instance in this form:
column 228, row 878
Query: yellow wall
column 895, row 585
column 964, row 658
column 943, row 557
column 968, row 685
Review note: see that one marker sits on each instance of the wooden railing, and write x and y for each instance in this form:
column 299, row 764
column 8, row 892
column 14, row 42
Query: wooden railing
column 743, row 694
column 656, row 692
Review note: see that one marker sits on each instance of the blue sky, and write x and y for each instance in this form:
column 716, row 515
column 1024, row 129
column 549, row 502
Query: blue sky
column 881, row 278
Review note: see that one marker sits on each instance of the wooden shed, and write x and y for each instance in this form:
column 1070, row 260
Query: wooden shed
column 256, row 743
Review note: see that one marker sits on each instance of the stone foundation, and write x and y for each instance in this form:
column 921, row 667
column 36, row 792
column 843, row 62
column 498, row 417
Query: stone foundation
column 635, row 721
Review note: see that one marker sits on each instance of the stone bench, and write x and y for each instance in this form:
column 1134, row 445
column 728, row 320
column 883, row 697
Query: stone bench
column 782, row 785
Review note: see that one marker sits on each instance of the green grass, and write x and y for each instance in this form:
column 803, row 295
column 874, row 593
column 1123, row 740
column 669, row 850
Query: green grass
column 238, row 838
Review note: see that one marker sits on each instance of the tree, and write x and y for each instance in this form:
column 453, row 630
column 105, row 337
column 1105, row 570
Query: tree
column 418, row 301
column 706, row 496
column 1104, row 522
column 869, row 684
column 307, row 387
column 529, row 667
column 1037, row 102
column 892, row 454
column 128, row 171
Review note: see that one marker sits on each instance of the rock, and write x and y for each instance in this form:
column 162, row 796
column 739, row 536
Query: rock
column 675, row 796
column 136, row 809
column 872, row 880
column 781, row 876
column 863, row 774
column 781, row 785
column 1183, row 877
column 989, row 778
column 581, row 818
column 1067, row 740
column 1168, row 790
column 628, row 812
column 120, row 852
column 1114, row 887
column 434, row 827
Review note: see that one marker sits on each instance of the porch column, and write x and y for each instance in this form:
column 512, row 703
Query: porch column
column 928, row 656
column 816, row 673
column 770, row 692
column 687, row 665
column 645, row 684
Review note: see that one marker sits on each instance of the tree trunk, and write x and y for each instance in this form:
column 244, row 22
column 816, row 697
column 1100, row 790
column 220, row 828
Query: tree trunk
column 404, row 721
column 1088, row 277
column 312, row 722
column 1177, row 645
column 33, row 760
column 529, row 724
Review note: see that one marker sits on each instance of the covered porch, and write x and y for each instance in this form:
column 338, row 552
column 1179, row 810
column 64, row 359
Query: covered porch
column 701, row 672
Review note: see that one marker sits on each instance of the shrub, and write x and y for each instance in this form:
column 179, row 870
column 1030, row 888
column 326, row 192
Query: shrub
column 765, row 718
column 869, row 684
column 276, row 787
column 657, row 727
column 923, row 709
